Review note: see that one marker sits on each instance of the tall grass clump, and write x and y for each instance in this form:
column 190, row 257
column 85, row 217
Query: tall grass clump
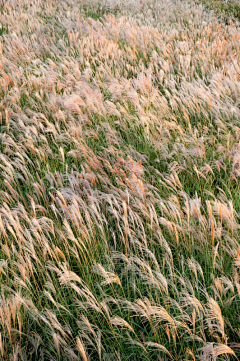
column 119, row 181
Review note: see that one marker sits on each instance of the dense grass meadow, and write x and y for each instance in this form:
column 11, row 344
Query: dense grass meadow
column 119, row 180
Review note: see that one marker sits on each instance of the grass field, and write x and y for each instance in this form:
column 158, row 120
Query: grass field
column 119, row 180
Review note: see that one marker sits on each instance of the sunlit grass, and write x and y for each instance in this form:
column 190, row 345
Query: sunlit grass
column 119, row 181
column 227, row 8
